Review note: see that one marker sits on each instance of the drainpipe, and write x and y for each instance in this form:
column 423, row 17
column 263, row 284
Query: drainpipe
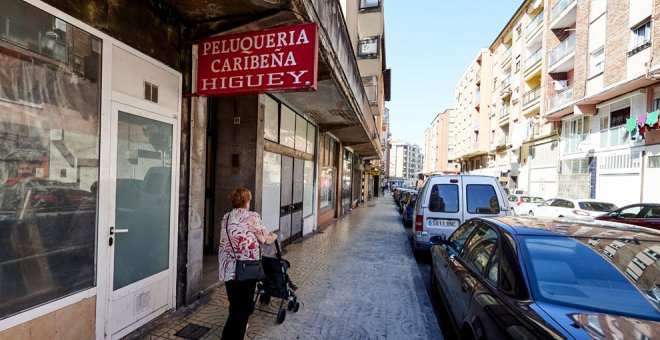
column 641, row 176
column 649, row 63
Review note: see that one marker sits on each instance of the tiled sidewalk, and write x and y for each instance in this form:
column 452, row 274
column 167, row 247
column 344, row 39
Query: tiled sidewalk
column 357, row 280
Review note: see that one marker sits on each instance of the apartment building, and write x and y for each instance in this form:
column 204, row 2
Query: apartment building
column 574, row 101
column 365, row 20
column 522, row 142
column 472, row 105
column 438, row 145
column 406, row 162
column 602, row 85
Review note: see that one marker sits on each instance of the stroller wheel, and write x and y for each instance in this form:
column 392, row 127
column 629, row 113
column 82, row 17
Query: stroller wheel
column 281, row 315
column 291, row 305
column 296, row 307
column 264, row 299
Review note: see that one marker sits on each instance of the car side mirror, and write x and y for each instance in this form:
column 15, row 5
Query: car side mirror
column 438, row 240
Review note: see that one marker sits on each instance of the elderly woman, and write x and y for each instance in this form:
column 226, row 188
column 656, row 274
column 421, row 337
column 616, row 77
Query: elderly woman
column 245, row 231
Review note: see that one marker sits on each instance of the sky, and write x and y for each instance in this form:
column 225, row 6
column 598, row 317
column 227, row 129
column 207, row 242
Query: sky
column 430, row 44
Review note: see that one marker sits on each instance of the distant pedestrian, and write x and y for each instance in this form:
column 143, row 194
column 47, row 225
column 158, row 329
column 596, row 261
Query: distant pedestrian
column 246, row 232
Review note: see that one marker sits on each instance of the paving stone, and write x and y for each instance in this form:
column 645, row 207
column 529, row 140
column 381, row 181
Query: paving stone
column 357, row 280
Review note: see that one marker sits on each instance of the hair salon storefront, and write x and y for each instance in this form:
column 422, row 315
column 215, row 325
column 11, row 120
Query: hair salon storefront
column 89, row 165
column 112, row 179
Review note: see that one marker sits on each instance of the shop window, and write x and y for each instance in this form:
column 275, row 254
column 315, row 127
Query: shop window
column 272, row 178
column 311, row 137
column 271, row 119
column 368, row 47
column 287, row 127
column 301, row 134
column 308, row 189
column 49, row 158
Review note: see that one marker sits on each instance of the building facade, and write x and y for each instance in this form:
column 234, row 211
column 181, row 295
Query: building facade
column 406, row 162
column 437, row 144
column 574, row 99
column 472, row 106
column 116, row 172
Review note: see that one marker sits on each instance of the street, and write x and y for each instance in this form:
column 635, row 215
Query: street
column 357, row 279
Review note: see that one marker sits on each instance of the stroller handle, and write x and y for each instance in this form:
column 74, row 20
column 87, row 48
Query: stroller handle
column 279, row 250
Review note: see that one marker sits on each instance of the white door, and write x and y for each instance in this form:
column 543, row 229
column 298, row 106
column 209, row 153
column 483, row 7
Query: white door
column 142, row 219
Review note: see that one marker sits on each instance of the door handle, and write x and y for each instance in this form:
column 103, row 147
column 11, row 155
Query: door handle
column 113, row 231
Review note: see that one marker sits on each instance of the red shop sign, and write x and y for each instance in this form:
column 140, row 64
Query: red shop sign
column 275, row 60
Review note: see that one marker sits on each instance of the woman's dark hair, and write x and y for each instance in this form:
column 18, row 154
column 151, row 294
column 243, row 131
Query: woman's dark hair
column 239, row 197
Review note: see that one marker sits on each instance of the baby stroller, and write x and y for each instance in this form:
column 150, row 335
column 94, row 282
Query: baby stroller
column 277, row 285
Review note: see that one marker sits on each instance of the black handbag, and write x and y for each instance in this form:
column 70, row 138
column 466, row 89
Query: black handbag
column 246, row 269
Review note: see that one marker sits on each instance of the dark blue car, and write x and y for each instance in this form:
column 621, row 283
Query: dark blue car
column 408, row 209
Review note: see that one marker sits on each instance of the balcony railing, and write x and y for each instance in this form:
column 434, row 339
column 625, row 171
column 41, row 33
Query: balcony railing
column 506, row 81
column 506, row 53
column 533, row 59
column 536, row 22
column 560, row 7
column 532, row 95
column 505, row 111
column 567, row 46
column 614, row 137
column 561, row 98
column 572, row 144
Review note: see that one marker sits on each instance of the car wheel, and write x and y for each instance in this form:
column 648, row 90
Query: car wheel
column 531, row 213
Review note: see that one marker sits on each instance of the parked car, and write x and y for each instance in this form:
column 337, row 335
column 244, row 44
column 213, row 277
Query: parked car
column 641, row 214
column 523, row 204
column 534, row 209
column 408, row 210
column 445, row 202
column 529, row 278
column 405, row 194
column 581, row 209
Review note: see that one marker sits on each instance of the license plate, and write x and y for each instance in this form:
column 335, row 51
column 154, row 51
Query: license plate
column 443, row 223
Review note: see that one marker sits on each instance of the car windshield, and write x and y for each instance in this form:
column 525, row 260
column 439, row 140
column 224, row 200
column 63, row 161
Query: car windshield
column 588, row 273
column 597, row 206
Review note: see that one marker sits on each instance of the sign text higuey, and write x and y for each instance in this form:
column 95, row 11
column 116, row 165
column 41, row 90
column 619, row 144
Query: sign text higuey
column 282, row 59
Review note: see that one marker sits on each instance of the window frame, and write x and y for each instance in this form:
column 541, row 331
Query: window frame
column 364, row 7
column 599, row 67
column 365, row 40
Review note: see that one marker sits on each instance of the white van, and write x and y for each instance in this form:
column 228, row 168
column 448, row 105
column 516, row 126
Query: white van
column 446, row 201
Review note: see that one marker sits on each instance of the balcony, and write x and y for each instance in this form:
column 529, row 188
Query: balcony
column 533, row 60
column 562, row 98
column 563, row 14
column 505, row 112
column 572, row 144
column 560, row 59
column 533, row 28
column 531, row 97
column 614, row 137
column 506, row 56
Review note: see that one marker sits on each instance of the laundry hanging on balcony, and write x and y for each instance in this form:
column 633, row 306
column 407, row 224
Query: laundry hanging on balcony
column 642, row 124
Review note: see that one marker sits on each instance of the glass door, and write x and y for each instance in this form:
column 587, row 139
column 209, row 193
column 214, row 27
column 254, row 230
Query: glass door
column 141, row 235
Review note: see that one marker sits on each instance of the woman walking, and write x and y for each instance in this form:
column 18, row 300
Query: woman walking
column 241, row 233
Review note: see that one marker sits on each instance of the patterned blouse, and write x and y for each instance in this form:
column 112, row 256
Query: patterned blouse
column 247, row 232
